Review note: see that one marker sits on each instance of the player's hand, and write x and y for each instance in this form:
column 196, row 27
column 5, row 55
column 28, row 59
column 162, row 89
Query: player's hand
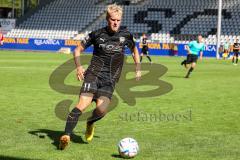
column 80, row 73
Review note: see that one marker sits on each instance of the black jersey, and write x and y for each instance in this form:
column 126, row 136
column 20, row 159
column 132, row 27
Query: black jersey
column 108, row 53
column 236, row 45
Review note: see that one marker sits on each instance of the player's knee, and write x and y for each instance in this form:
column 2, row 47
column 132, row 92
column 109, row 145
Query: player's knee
column 102, row 105
column 83, row 104
column 101, row 112
column 84, row 101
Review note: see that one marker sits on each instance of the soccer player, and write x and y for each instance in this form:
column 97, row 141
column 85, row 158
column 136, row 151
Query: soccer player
column 145, row 48
column 103, row 72
column 194, row 48
column 226, row 49
column 236, row 48
column 1, row 36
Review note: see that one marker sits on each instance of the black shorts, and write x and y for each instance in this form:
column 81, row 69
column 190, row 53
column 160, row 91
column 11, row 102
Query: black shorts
column 145, row 50
column 236, row 53
column 97, row 86
column 192, row 58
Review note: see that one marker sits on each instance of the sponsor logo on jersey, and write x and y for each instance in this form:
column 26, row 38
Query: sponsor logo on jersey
column 122, row 39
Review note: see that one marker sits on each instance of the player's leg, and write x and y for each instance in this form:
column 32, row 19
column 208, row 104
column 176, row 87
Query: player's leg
column 233, row 59
column 227, row 54
column 146, row 52
column 141, row 57
column 237, row 58
column 190, row 69
column 72, row 119
column 103, row 97
column 98, row 113
column 148, row 57
column 192, row 59
column 224, row 55
column 84, row 101
column 143, row 53
column 187, row 61
column 184, row 62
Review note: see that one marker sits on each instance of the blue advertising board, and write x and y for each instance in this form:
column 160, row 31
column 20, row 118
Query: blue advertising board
column 56, row 44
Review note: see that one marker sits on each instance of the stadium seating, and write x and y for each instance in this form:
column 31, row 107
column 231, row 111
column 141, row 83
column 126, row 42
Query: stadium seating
column 164, row 20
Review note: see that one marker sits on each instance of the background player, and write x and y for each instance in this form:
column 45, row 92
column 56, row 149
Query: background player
column 145, row 48
column 1, row 36
column 226, row 49
column 236, row 48
column 193, row 48
column 103, row 72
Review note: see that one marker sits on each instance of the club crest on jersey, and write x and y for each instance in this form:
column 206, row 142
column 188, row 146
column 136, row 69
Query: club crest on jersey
column 122, row 39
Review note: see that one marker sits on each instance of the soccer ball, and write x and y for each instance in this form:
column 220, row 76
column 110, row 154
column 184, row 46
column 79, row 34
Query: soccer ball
column 128, row 148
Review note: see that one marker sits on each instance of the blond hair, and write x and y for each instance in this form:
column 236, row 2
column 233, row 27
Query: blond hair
column 114, row 8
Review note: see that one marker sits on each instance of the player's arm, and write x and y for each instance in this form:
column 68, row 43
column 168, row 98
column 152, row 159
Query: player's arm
column 136, row 59
column 80, row 70
column 188, row 49
column 132, row 46
column 88, row 41
column 201, row 52
column 201, row 55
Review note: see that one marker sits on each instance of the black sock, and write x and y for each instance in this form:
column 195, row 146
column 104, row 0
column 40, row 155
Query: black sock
column 72, row 120
column 184, row 62
column 233, row 60
column 95, row 117
column 236, row 60
column 141, row 58
column 149, row 58
column 189, row 72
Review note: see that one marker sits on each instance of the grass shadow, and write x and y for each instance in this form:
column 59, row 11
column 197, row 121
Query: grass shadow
column 2, row 157
column 55, row 136
column 116, row 156
column 175, row 76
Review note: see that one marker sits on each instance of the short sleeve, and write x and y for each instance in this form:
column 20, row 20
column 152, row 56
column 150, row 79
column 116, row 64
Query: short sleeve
column 130, row 42
column 88, row 40
column 190, row 44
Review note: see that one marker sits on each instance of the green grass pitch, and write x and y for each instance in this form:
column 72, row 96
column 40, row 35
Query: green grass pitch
column 205, row 107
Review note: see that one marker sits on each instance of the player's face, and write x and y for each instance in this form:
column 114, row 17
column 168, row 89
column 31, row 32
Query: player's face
column 200, row 39
column 114, row 21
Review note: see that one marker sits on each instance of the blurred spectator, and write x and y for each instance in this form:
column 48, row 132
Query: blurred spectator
column 1, row 36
